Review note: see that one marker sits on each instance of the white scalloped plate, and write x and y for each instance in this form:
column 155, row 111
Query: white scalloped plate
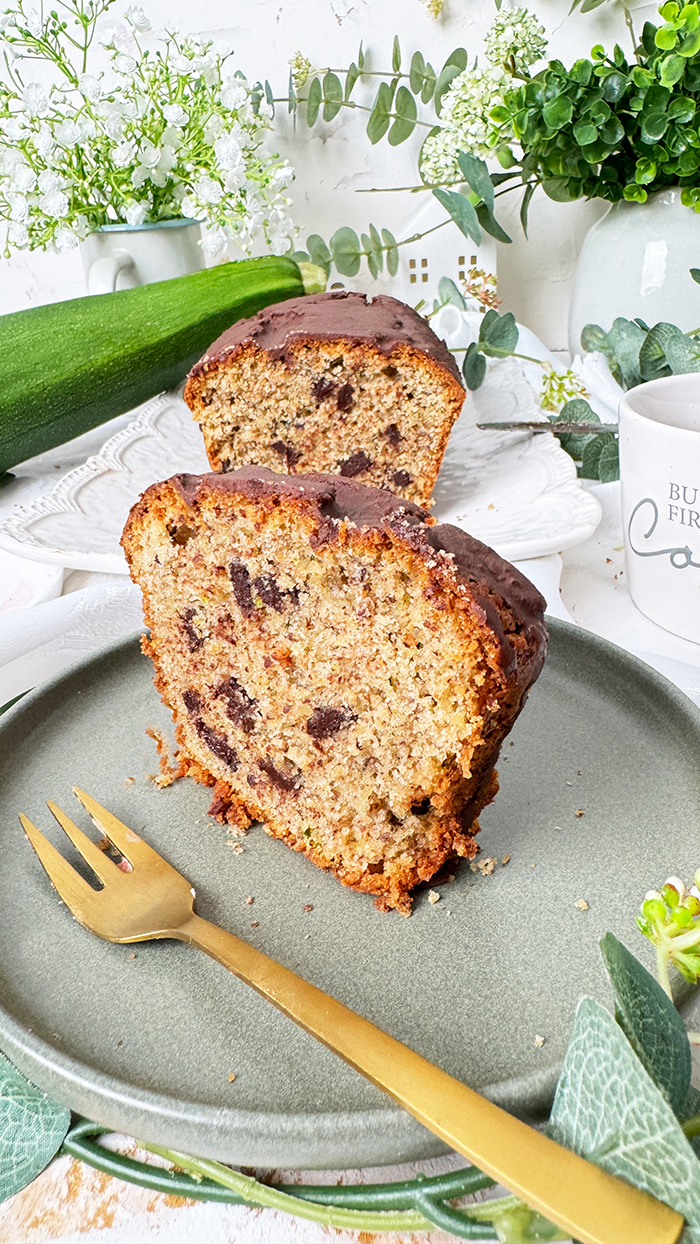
column 516, row 491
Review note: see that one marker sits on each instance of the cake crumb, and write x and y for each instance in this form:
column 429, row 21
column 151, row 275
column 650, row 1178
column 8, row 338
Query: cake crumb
column 581, row 904
column 433, row 897
column 130, row 781
column 505, row 860
column 308, row 907
column 579, row 812
column 539, row 1041
column 254, row 924
column 170, row 770
column 231, row 1077
column 235, row 846
column 132, row 956
column 472, row 867
column 487, row 866
column 249, row 899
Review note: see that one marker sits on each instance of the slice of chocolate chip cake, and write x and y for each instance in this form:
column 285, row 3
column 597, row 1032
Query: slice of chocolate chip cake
column 338, row 667
column 332, row 382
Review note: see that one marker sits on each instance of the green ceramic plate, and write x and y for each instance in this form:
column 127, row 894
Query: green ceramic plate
column 599, row 800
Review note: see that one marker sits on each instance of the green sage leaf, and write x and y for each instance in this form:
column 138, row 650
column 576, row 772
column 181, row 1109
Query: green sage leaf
column 650, row 1022
column 332, row 96
column 462, row 212
column 473, row 367
column 314, row 101
column 498, row 334
column 346, row 251
column 392, row 252
column 32, row 1128
column 405, row 112
column 477, row 176
column 631, row 1131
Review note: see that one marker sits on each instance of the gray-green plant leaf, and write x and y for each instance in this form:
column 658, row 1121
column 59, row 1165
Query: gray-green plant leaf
column 314, row 101
column 474, row 367
column 477, row 176
column 332, row 96
column 652, row 356
column 625, row 340
column 405, row 117
column 593, row 338
column 448, row 292
column 576, row 411
column 346, row 251
column 319, row 252
column 462, row 212
column 32, row 1129
column 350, row 79
column 489, row 224
column 498, row 334
column 650, row 1022
column 379, row 117
column 608, row 1109
column 683, row 354
column 455, row 64
column 609, row 460
column 392, row 252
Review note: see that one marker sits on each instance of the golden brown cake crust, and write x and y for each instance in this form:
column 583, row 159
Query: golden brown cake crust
column 331, row 382
column 337, row 667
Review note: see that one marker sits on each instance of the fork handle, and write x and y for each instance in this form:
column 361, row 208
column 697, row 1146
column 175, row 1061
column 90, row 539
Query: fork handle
column 591, row 1205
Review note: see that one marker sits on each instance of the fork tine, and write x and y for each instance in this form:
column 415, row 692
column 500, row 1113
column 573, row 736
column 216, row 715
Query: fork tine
column 125, row 840
column 73, row 889
column 91, row 853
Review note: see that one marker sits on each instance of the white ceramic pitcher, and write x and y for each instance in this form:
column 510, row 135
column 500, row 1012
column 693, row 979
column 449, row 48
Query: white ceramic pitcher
column 122, row 256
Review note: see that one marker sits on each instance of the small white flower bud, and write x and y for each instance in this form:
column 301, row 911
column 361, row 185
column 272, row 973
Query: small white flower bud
column 651, row 894
column 677, row 885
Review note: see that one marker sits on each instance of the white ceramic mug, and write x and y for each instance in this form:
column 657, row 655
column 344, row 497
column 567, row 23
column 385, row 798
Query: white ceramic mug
column 122, row 256
column 660, row 477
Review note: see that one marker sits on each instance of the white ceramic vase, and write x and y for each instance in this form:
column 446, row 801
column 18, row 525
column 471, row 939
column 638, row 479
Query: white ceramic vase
column 635, row 262
column 122, row 256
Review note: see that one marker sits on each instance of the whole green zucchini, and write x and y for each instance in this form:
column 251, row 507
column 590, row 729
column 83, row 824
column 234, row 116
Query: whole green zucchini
column 69, row 366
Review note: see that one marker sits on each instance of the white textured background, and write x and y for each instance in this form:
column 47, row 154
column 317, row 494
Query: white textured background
column 334, row 160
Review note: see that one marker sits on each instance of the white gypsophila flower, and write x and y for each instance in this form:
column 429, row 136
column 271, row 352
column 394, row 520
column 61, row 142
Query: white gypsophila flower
column 123, row 154
column 49, row 180
column 65, row 239
column 516, row 39
column 23, row 178
column 66, row 133
column 15, row 129
column 140, row 175
column 214, row 242
column 124, row 64
column 19, row 208
column 120, row 38
column 234, row 93
column 33, row 22
column 54, row 203
column 43, row 141
column 135, row 214
column 208, row 190
column 228, row 152
column 90, row 87
column 466, row 121
column 168, row 159
column 18, row 234
column 86, row 128
column 265, row 109
column 7, row 19
column 136, row 16
column 171, row 138
column 189, row 207
column 234, row 179
column 176, row 115
column 149, row 154
column 35, row 101
column 213, row 128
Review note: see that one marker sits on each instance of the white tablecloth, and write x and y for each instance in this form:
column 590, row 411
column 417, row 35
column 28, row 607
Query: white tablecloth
column 77, row 1205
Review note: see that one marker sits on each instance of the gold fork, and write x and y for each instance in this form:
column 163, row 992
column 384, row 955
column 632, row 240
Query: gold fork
column 153, row 900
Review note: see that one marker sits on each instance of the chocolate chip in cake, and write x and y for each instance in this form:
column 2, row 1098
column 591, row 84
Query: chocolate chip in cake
column 357, row 465
column 181, row 533
column 401, row 479
column 194, row 639
column 217, row 744
column 287, row 782
column 192, row 701
column 390, row 372
column 269, row 592
column 326, row 721
column 288, row 452
column 323, row 388
column 393, row 435
column 345, row 399
column 240, row 707
column 422, row 808
column 240, row 579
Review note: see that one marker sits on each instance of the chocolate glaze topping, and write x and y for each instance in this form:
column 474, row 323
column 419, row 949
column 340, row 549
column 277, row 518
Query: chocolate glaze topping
column 384, row 322
column 485, row 574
